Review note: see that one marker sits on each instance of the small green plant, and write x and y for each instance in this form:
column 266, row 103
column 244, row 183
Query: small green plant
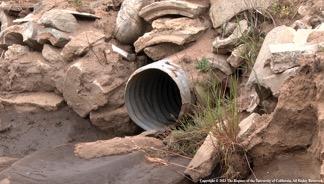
column 283, row 10
column 203, row 65
column 76, row 2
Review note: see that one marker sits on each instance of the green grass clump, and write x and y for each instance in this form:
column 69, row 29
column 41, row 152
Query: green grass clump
column 203, row 65
column 219, row 116
column 283, row 9
column 76, row 2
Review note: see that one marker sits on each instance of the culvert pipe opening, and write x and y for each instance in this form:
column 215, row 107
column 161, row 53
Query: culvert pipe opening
column 156, row 98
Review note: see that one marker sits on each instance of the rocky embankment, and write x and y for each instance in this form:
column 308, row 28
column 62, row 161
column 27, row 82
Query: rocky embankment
column 64, row 67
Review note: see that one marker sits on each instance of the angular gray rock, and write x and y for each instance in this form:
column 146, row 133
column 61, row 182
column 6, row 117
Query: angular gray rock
column 171, row 7
column 53, row 36
column 80, row 93
column 129, row 25
column 51, row 54
column 219, row 62
column 24, row 34
column 262, row 74
column 80, row 44
column 286, row 56
column 59, row 19
column 222, row 11
column 247, row 126
column 222, row 45
column 205, row 160
column 236, row 58
column 161, row 51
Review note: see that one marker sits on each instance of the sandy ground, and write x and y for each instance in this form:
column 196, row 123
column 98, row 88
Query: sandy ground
column 23, row 132
column 290, row 166
column 59, row 165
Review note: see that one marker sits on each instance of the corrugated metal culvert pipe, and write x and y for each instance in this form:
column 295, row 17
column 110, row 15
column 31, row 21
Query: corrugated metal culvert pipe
column 157, row 94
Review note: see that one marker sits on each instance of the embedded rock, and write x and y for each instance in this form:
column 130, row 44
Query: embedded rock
column 115, row 146
column 12, row 35
column 82, row 15
column 291, row 126
column 178, row 31
column 81, row 90
column 59, row 19
column 114, row 120
column 53, row 36
column 24, row 34
column 90, row 85
column 205, row 160
column 161, row 51
column 219, row 62
column 129, row 25
column 289, row 55
column 262, row 74
column 44, row 100
column 221, row 45
column 51, row 54
column 5, row 20
column 15, row 51
column 222, row 11
column 236, row 58
column 247, row 126
column 27, row 73
column 172, row 7
column 80, row 44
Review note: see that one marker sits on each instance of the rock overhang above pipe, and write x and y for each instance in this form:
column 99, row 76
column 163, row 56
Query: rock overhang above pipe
column 178, row 31
column 142, row 96
column 172, row 7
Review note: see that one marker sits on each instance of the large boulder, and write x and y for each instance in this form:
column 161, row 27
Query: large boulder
column 293, row 124
column 29, row 72
column 94, row 81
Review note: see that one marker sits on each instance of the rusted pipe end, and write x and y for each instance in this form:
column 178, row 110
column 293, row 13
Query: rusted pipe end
column 157, row 95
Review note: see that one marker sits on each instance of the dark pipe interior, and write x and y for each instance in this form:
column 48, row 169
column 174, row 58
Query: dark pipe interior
column 153, row 99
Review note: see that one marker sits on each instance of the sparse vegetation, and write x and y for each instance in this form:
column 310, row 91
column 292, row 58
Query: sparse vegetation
column 283, row 9
column 218, row 116
column 203, row 65
column 253, row 39
column 76, row 2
